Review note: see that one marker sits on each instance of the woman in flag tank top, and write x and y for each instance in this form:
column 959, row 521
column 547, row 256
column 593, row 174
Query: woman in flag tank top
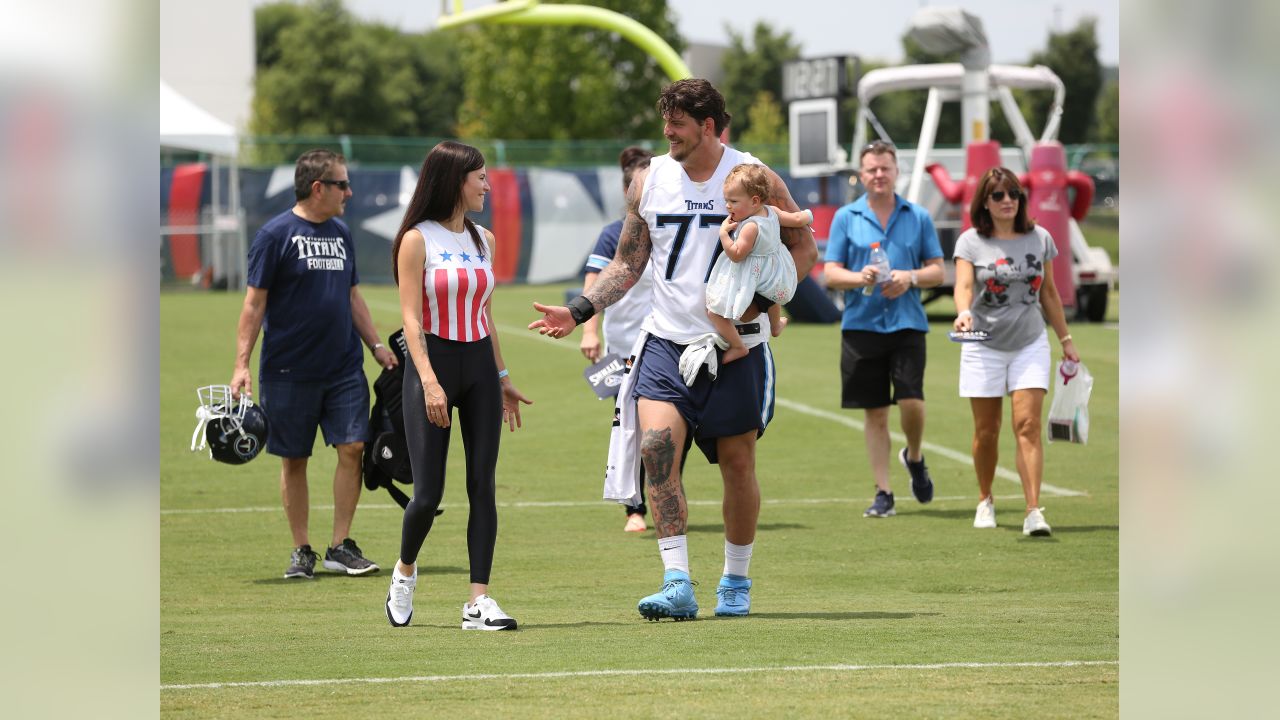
column 443, row 263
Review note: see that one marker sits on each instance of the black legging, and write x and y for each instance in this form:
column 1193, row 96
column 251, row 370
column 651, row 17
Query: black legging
column 469, row 376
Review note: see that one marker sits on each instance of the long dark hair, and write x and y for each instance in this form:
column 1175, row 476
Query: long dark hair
column 439, row 192
column 998, row 178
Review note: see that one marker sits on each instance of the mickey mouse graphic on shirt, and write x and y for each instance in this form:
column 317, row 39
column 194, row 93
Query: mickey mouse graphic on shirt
column 1004, row 272
column 996, row 284
column 1036, row 273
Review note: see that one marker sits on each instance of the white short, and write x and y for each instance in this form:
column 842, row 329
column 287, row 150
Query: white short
column 985, row 372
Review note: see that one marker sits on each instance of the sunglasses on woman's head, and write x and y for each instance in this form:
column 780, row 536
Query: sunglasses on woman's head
column 998, row 195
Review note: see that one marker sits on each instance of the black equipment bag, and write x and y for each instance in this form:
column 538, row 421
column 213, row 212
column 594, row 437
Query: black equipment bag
column 386, row 456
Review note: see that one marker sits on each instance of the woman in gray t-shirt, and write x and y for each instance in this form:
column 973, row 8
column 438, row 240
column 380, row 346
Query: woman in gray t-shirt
column 1004, row 286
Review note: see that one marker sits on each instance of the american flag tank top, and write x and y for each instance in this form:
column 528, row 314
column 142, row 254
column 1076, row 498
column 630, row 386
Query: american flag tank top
column 457, row 280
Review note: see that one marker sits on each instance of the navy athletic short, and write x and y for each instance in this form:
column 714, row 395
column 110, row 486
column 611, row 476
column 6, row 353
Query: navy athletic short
column 740, row 399
column 294, row 409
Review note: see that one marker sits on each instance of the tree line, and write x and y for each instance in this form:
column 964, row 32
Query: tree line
column 322, row 72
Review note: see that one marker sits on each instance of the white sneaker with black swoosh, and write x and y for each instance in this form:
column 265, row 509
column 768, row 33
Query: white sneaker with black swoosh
column 484, row 614
column 400, row 597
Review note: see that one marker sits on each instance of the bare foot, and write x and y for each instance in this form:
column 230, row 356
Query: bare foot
column 733, row 353
column 780, row 326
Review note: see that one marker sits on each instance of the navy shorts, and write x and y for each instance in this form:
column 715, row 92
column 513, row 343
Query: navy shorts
column 870, row 361
column 739, row 400
column 294, row 409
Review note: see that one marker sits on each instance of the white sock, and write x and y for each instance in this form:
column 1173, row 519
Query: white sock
column 395, row 573
column 675, row 553
column 737, row 559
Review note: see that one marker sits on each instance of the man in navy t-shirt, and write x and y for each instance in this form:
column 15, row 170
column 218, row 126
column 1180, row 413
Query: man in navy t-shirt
column 303, row 295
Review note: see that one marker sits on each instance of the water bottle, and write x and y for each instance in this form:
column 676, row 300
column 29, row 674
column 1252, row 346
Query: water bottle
column 881, row 263
column 1068, row 370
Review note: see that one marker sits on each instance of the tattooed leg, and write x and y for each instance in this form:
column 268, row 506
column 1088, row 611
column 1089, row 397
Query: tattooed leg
column 661, row 442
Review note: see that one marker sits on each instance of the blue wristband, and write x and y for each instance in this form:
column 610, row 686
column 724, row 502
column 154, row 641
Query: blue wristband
column 502, row 373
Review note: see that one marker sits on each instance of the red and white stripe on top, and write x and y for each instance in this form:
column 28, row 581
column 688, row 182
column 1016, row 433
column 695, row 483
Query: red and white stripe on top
column 457, row 281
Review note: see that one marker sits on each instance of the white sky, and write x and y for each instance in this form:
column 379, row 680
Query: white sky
column 1015, row 28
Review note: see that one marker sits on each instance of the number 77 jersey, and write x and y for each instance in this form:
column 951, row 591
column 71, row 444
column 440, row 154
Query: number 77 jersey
column 684, row 220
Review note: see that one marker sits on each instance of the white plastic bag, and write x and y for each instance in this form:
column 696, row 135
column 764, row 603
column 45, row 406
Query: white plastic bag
column 1069, row 412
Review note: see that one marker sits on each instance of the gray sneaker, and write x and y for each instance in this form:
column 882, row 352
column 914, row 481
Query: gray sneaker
column 882, row 507
column 302, row 563
column 347, row 558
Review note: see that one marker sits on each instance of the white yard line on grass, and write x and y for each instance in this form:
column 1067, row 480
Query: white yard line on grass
column 557, row 504
column 645, row 671
column 963, row 458
column 956, row 455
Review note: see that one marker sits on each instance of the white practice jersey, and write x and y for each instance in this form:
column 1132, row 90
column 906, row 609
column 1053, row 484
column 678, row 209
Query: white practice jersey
column 684, row 226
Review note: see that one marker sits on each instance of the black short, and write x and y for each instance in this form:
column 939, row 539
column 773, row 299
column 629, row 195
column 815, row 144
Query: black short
column 869, row 361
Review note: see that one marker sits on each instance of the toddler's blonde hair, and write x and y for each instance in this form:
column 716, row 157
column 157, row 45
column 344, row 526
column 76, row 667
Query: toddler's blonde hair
column 753, row 177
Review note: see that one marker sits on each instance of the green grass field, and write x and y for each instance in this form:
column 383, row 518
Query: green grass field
column 1102, row 229
column 918, row 615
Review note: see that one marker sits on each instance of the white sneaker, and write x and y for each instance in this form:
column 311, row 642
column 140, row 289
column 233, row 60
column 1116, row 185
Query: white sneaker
column 986, row 515
column 484, row 614
column 400, row 598
column 1034, row 524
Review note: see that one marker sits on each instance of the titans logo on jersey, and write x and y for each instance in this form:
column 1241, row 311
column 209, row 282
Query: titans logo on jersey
column 684, row 220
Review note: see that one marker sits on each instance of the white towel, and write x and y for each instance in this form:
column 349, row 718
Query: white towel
column 622, row 475
column 701, row 351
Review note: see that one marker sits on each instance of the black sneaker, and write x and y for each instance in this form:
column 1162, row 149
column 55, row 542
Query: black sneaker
column 302, row 563
column 882, row 507
column 921, row 483
column 347, row 558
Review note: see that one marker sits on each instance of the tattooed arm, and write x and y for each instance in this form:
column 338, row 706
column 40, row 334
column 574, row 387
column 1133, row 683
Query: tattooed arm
column 633, row 251
column 617, row 277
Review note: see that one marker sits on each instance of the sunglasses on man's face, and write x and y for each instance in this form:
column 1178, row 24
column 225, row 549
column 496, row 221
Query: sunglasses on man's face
column 342, row 185
column 998, row 195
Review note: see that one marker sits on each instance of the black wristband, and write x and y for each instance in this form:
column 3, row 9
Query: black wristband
column 581, row 309
column 763, row 303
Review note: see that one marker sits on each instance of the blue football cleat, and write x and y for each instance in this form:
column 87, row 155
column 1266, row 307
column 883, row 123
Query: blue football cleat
column 675, row 599
column 734, row 596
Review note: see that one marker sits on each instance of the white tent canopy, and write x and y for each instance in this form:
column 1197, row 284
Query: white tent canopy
column 183, row 124
column 187, row 126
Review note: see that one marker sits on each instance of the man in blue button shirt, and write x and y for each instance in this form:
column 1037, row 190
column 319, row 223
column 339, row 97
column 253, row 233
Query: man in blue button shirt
column 883, row 332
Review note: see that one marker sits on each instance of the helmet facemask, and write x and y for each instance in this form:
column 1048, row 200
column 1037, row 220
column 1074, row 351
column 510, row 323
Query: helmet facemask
column 216, row 401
